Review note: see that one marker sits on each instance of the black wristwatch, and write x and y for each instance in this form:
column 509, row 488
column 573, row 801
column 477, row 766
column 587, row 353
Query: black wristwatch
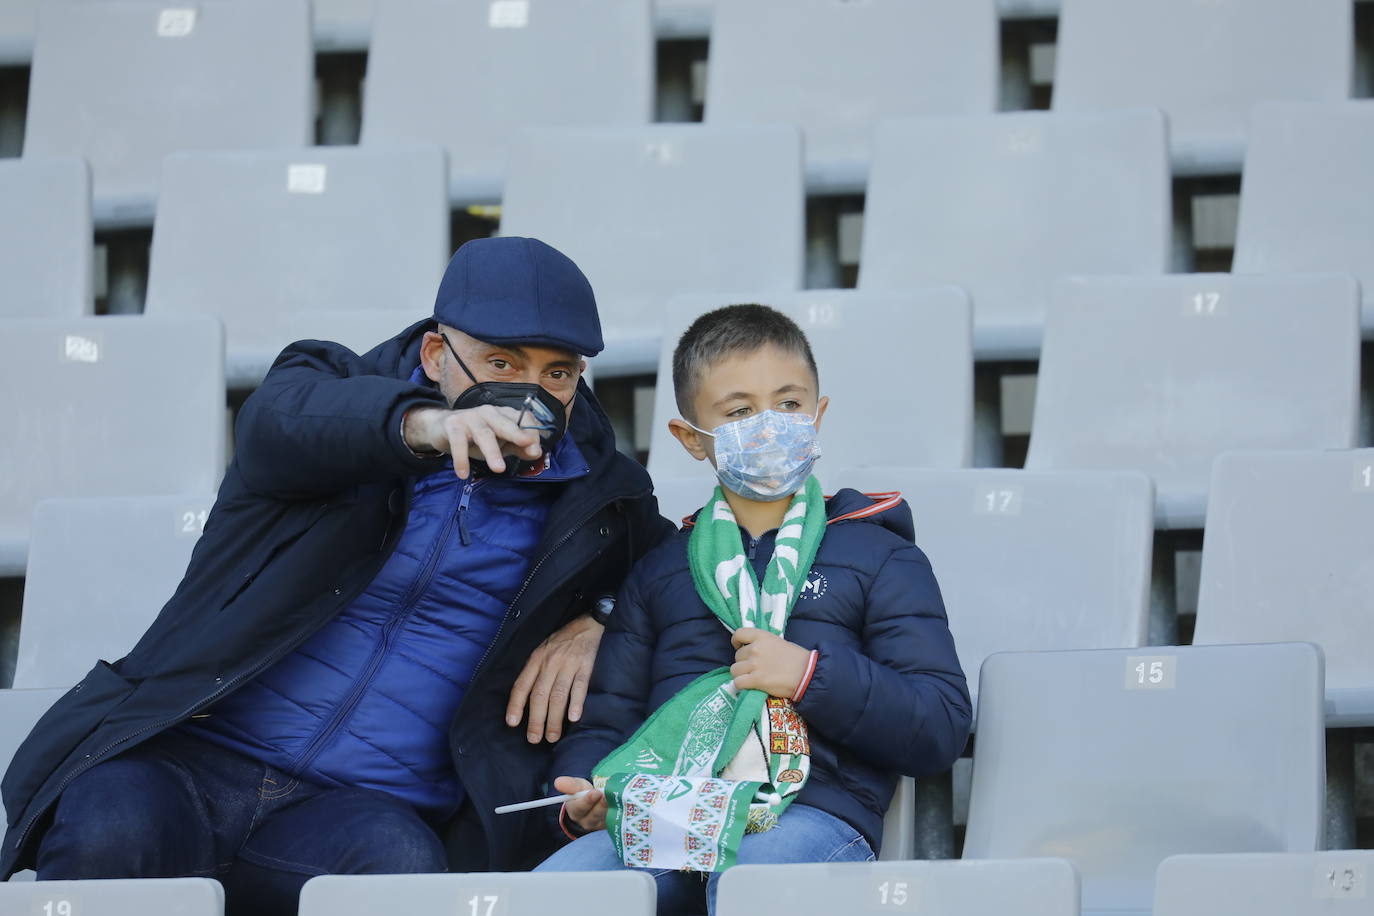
column 602, row 609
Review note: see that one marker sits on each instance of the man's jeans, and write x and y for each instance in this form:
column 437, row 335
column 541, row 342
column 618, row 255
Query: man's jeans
column 178, row 806
column 803, row 834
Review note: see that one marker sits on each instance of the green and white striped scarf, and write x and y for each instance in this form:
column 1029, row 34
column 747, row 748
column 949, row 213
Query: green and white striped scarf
column 715, row 762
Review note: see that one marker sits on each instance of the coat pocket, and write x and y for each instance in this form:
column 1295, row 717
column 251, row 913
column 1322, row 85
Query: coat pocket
column 70, row 721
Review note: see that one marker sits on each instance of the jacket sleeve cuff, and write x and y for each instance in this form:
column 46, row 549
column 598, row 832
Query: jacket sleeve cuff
column 413, row 461
column 571, row 830
column 806, row 678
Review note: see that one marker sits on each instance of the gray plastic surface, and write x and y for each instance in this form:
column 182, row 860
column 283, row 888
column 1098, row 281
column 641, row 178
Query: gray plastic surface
column 1204, row 63
column 927, row 417
column 623, row 893
column 1307, row 200
column 18, row 20
column 1030, row 560
column 106, row 85
column 99, row 571
column 108, row 406
column 1274, row 884
column 343, row 25
column 465, row 75
column 1162, row 375
column 127, row 897
column 1004, row 205
column 836, row 69
column 45, row 238
column 650, row 213
column 1026, row 887
column 234, row 241
column 1079, row 758
column 1287, row 557
column 899, row 824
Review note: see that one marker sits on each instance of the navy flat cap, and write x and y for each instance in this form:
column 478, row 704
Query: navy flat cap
column 519, row 291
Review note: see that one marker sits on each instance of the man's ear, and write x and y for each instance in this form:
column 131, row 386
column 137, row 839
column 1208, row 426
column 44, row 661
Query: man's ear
column 821, row 405
column 690, row 439
column 432, row 353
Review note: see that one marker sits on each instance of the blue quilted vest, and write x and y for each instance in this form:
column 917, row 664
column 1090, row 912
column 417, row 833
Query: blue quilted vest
column 368, row 700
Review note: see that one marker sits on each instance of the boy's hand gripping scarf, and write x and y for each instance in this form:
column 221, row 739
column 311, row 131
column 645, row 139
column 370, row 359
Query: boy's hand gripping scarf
column 715, row 762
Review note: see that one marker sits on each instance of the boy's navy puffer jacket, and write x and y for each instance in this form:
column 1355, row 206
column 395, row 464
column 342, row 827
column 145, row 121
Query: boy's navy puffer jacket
column 888, row 695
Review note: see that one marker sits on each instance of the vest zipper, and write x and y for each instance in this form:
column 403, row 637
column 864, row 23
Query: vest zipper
column 463, row 535
column 389, row 629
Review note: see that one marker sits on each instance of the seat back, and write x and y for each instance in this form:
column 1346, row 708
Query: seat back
column 623, row 893
column 1286, row 557
column 45, row 238
column 1162, row 375
column 1260, row 884
column 127, row 897
column 124, row 84
column 252, row 237
column 650, row 213
column 1004, row 205
column 1120, row 758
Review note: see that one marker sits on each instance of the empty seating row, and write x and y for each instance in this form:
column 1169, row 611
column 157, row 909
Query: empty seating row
column 832, row 69
column 1114, row 760
column 1003, row 205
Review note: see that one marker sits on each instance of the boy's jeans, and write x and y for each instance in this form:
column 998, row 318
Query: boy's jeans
column 803, row 834
column 181, row 807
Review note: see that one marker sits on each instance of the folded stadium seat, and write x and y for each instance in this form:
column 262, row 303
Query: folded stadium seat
column 1030, row 560
column 99, row 571
column 469, row 74
column 343, row 25
column 106, row 407
column 1026, row 887
column 1162, row 375
column 127, row 897
column 1307, row 196
column 1286, row 557
column 649, row 213
column 624, row 893
column 917, row 400
column 124, row 84
column 1117, row 759
column 836, row 69
column 45, row 238
column 250, row 237
column 1004, row 205
column 18, row 18
column 1205, row 63
column 1029, row 9
column 1266, row 884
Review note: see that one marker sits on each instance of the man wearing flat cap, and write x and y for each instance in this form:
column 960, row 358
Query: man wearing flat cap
column 395, row 602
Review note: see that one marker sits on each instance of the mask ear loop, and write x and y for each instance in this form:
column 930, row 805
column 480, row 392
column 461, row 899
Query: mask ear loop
column 461, row 364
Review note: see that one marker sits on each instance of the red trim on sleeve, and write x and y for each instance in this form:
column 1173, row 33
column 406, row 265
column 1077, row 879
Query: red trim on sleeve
column 563, row 823
column 806, row 678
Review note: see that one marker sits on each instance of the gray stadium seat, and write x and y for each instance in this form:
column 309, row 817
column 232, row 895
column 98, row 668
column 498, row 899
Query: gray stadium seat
column 99, row 571
column 18, row 19
column 1272, row 884
column 1004, row 205
column 1307, row 197
column 1029, row 9
column 1162, row 375
column 684, row 18
column 124, row 84
column 1117, row 759
column 1025, row 887
column 649, row 213
column 624, row 893
column 106, row 407
column 899, row 826
column 836, row 69
column 1286, row 557
column 250, row 237
column 1205, row 63
column 343, row 25
column 127, row 897
column 45, row 238
column 920, row 337
column 469, row 74
column 1030, row 560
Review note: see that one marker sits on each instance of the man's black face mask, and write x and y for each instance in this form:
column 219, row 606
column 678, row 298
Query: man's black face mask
column 538, row 408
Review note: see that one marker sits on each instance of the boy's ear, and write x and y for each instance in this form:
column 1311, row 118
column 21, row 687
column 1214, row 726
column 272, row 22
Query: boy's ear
column 691, row 439
column 821, row 405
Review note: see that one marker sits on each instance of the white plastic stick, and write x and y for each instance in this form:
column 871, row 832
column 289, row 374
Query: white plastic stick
column 537, row 803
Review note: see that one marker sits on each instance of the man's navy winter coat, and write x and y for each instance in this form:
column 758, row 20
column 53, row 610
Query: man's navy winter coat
column 887, row 697
column 308, row 512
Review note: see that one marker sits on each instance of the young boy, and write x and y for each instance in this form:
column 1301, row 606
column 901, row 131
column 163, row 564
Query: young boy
column 766, row 674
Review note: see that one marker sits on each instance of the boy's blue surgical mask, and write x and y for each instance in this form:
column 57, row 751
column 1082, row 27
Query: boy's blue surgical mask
column 766, row 456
